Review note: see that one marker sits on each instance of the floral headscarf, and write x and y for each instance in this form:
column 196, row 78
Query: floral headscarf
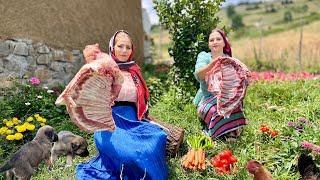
column 135, row 71
column 112, row 42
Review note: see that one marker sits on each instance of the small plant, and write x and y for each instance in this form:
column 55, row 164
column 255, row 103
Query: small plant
column 156, row 88
column 15, row 129
column 266, row 130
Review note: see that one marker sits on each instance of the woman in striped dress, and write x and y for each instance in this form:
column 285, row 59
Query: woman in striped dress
column 230, row 126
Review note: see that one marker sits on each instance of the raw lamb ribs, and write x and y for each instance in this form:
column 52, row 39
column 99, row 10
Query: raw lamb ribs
column 91, row 93
column 228, row 80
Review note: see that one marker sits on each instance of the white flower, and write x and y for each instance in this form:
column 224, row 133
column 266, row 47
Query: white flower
column 50, row 91
column 27, row 103
column 39, row 97
column 45, row 87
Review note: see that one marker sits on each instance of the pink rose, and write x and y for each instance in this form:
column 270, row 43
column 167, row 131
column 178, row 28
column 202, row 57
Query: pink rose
column 34, row 81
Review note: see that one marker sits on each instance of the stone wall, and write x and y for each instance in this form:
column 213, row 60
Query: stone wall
column 72, row 24
column 24, row 58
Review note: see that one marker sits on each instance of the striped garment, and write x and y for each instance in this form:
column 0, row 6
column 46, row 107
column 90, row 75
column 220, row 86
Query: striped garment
column 218, row 125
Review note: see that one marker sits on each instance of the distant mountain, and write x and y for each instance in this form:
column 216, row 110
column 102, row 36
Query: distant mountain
column 147, row 4
column 236, row 2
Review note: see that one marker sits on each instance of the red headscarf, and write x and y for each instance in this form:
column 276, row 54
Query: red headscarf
column 227, row 47
column 135, row 71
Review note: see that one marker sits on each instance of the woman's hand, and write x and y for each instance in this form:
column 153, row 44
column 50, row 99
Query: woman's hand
column 203, row 71
column 90, row 52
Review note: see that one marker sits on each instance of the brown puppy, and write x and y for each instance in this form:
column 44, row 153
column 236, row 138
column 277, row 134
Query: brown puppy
column 70, row 145
column 29, row 156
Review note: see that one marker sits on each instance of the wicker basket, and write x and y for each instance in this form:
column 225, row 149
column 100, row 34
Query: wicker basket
column 175, row 136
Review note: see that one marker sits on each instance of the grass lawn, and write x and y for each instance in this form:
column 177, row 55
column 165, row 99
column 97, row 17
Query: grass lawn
column 268, row 103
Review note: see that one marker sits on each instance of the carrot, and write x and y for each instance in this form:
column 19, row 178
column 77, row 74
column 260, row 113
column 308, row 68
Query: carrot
column 201, row 155
column 191, row 156
column 196, row 161
column 184, row 161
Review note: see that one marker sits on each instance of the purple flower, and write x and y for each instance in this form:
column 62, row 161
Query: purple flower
column 34, row 81
column 303, row 120
column 291, row 124
column 307, row 145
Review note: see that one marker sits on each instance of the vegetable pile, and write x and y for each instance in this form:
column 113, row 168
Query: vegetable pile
column 195, row 158
column 223, row 162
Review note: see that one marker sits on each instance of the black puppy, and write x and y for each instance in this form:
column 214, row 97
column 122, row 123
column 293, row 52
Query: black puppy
column 307, row 168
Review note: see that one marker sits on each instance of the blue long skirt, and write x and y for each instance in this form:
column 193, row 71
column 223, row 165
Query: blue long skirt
column 135, row 150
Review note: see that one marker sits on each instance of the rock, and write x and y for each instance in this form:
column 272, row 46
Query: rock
column 31, row 50
column 57, row 66
column 43, row 49
column 43, row 73
column 44, row 59
column 55, row 82
column 14, row 63
column 7, row 79
column 1, row 66
column 21, row 48
column 4, row 49
column 58, row 55
column 68, row 68
column 11, row 44
column 76, row 52
column 27, row 41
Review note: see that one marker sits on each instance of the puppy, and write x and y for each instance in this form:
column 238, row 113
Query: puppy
column 29, row 156
column 70, row 145
column 307, row 168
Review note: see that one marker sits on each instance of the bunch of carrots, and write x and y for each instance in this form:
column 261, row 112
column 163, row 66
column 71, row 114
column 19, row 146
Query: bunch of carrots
column 195, row 158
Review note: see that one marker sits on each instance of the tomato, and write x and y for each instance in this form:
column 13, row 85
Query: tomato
column 222, row 170
column 219, row 170
column 225, row 154
column 216, row 162
column 226, row 167
column 232, row 159
column 224, row 161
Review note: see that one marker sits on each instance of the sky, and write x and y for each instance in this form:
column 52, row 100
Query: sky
column 148, row 5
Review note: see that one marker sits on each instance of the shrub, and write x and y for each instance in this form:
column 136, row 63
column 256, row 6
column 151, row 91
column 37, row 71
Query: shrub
column 287, row 17
column 156, row 88
column 237, row 22
column 189, row 22
column 230, row 11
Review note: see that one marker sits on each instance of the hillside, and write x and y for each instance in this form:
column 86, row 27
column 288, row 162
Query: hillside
column 266, row 37
column 269, row 16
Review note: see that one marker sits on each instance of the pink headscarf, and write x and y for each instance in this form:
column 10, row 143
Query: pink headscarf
column 227, row 47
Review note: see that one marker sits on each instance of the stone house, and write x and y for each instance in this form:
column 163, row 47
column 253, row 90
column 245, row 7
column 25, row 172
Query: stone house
column 45, row 38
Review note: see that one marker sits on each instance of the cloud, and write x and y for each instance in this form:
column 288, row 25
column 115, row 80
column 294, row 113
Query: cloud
column 148, row 5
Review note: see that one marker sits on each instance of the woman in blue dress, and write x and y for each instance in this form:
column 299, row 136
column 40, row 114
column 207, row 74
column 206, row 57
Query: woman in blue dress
column 136, row 149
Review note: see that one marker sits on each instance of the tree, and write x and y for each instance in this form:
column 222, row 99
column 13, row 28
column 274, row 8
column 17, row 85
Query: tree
column 236, row 22
column 189, row 22
column 287, row 16
column 230, row 11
